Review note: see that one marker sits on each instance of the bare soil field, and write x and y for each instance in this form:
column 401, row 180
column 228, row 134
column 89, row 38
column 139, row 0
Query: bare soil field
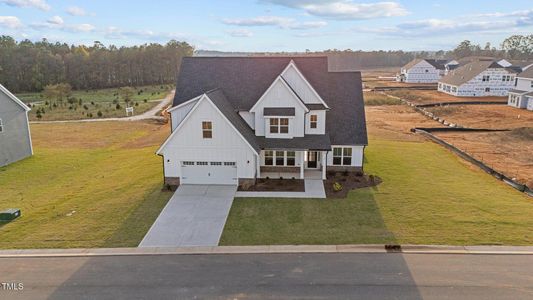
column 395, row 122
column 427, row 97
column 508, row 152
column 485, row 116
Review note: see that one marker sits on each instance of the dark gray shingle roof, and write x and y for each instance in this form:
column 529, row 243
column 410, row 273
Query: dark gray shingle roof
column 279, row 111
column 243, row 81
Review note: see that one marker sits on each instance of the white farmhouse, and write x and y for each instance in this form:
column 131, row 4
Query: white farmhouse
column 235, row 119
column 478, row 79
column 424, row 70
column 521, row 96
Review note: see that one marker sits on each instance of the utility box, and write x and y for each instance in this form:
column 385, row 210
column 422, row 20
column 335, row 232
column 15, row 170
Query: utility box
column 9, row 214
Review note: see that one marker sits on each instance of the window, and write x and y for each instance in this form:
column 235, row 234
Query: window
column 279, row 125
column 216, row 163
column 229, row 163
column 280, row 158
column 427, row 70
column 314, row 121
column 188, row 163
column 269, row 158
column 487, row 90
column 1, row 126
column 342, row 156
column 531, row 82
column 486, row 78
column 201, row 163
column 291, row 158
column 207, row 129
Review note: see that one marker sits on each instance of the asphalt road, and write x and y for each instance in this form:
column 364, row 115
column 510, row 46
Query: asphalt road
column 271, row 276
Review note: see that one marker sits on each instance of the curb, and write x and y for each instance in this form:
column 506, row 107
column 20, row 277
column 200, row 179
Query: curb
column 274, row 249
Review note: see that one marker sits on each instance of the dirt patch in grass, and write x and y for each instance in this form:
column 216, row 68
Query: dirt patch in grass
column 378, row 99
column 276, row 185
column 434, row 96
column 525, row 133
column 348, row 181
column 485, row 116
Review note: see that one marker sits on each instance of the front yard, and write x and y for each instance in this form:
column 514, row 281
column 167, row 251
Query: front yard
column 88, row 185
column 428, row 196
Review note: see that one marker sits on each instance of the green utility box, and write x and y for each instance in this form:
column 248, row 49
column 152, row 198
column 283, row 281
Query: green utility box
column 9, row 214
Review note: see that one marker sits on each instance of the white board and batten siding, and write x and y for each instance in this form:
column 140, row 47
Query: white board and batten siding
column 321, row 122
column 226, row 146
column 279, row 95
column 179, row 113
column 357, row 155
column 300, row 86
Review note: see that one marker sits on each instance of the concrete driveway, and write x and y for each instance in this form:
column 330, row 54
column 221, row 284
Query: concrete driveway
column 194, row 216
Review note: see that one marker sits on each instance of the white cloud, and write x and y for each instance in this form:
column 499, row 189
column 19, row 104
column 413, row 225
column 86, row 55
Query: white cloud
column 56, row 20
column 345, row 9
column 76, row 11
column 241, row 33
column 80, row 27
column 281, row 22
column 10, row 22
column 40, row 4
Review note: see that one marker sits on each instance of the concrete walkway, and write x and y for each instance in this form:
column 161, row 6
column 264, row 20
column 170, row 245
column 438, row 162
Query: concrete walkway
column 314, row 188
column 194, row 216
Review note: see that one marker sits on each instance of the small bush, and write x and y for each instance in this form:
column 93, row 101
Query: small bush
column 145, row 100
column 85, row 107
column 136, row 103
column 337, row 187
column 118, row 106
column 99, row 114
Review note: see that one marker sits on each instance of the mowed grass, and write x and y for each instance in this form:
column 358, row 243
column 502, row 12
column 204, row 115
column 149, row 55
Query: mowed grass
column 88, row 185
column 428, row 196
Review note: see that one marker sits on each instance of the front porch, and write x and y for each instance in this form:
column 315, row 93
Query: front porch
column 308, row 164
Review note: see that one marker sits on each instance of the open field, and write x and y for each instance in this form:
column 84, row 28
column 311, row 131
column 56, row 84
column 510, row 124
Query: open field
column 429, row 196
column 88, row 185
column 426, row 97
column 378, row 99
column 87, row 104
column 509, row 152
column 485, row 116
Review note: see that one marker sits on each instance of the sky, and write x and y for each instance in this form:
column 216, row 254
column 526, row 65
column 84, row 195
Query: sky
column 270, row 25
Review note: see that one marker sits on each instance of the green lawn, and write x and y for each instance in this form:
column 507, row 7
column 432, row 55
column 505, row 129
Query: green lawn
column 88, row 185
column 89, row 102
column 428, row 196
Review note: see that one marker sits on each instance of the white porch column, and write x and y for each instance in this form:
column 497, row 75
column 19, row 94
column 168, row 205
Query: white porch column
column 302, row 155
column 324, row 165
column 258, row 165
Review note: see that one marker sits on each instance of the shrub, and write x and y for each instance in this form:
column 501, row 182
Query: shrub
column 90, row 115
column 99, row 114
column 136, row 103
column 118, row 106
column 337, row 187
column 92, row 102
column 39, row 116
column 145, row 100
column 85, row 107
column 345, row 173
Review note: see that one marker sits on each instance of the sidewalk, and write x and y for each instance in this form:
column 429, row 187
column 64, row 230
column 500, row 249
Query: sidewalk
column 274, row 249
column 314, row 188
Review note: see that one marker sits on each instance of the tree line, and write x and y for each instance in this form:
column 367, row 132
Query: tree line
column 27, row 66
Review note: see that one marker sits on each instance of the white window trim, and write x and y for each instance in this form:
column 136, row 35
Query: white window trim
column 274, row 157
column 207, row 130
column 279, row 125
column 311, row 121
column 342, row 156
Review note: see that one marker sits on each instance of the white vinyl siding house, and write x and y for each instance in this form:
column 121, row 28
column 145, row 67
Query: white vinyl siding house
column 424, row 71
column 521, row 96
column 283, row 132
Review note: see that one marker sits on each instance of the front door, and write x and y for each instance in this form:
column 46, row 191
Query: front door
column 312, row 159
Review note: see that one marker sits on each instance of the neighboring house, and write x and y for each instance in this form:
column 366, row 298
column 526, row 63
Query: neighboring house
column 237, row 119
column 521, row 96
column 15, row 139
column 479, row 78
column 424, row 70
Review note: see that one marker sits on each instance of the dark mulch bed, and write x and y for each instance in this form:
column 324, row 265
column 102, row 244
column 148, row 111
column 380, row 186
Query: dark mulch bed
column 349, row 181
column 276, row 185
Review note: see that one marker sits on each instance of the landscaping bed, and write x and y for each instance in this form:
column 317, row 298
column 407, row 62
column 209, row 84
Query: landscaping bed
column 276, row 185
column 348, row 181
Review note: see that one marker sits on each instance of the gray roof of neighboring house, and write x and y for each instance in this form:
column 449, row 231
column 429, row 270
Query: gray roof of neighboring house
column 316, row 106
column 530, row 94
column 217, row 97
column 244, row 80
column 319, row 142
column 528, row 73
column 279, row 111
column 514, row 91
column 467, row 72
column 437, row 63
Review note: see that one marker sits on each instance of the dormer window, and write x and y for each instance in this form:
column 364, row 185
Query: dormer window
column 279, row 125
column 314, row 121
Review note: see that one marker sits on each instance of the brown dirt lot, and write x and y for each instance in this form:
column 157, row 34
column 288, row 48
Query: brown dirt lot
column 395, row 122
column 507, row 152
column 485, row 116
column 426, row 97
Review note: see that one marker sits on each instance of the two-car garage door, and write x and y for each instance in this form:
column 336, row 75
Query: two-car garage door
column 209, row 172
